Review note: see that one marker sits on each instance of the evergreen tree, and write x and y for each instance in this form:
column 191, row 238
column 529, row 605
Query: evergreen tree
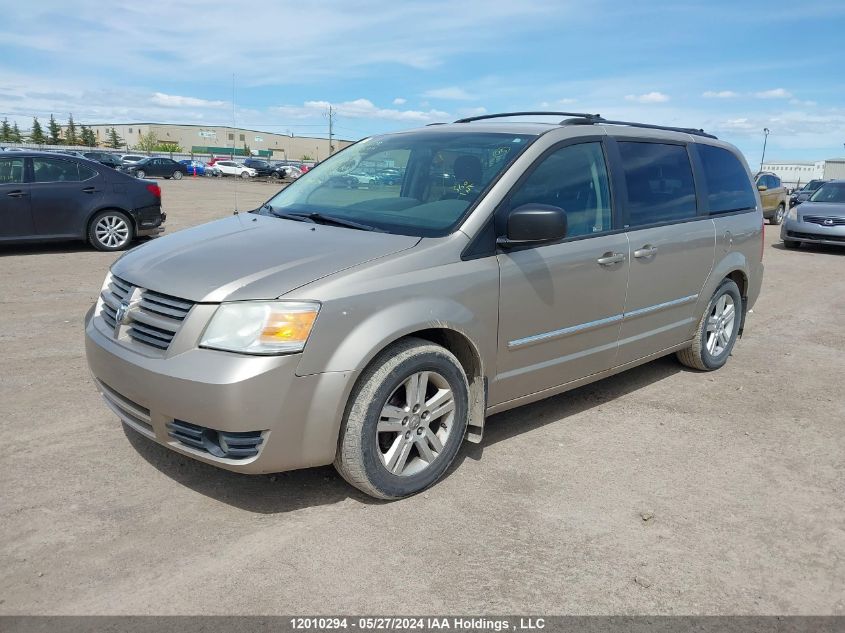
column 5, row 130
column 16, row 136
column 87, row 135
column 55, row 131
column 115, row 142
column 36, row 135
column 70, row 133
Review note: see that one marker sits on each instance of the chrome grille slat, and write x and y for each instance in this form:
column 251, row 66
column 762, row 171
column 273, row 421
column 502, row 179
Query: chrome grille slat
column 820, row 219
column 153, row 319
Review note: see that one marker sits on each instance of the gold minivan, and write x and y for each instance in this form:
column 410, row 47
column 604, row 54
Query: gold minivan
column 376, row 325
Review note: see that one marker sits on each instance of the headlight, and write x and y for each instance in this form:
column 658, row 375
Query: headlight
column 261, row 327
column 104, row 287
column 792, row 214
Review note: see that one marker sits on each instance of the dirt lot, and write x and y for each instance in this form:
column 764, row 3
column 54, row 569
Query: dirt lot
column 661, row 490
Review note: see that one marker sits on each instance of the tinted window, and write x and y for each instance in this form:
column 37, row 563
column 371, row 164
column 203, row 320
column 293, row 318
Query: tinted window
column 728, row 186
column 659, row 181
column 11, row 171
column 573, row 178
column 85, row 172
column 50, row 170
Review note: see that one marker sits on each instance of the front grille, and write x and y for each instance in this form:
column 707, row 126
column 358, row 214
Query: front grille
column 153, row 318
column 230, row 444
column 820, row 219
column 811, row 236
column 132, row 413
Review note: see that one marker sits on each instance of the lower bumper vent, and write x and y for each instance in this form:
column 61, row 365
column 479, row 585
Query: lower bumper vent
column 229, row 444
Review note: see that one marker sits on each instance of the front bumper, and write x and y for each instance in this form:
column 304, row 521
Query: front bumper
column 811, row 233
column 299, row 416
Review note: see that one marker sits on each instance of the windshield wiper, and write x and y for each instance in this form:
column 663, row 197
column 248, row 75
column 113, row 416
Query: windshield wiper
column 296, row 217
column 330, row 219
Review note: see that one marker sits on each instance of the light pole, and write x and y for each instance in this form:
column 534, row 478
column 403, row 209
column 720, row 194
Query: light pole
column 765, row 139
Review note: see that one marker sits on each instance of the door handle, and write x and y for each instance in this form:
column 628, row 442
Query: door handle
column 646, row 251
column 608, row 259
column 17, row 194
column 89, row 190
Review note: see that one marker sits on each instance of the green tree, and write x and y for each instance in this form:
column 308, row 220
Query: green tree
column 246, row 150
column 114, row 141
column 87, row 135
column 16, row 136
column 147, row 142
column 36, row 134
column 70, row 132
column 306, row 157
column 167, row 146
column 5, row 130
column 55, row 131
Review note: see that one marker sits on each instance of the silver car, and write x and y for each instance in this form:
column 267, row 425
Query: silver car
column 820, row 220
column 377, row 328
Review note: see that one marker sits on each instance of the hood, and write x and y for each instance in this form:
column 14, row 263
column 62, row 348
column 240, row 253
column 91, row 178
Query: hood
column 248, row 256
column 823, row 209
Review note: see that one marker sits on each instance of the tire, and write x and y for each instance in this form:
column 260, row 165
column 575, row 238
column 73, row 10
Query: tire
column 705, row 354
column 110, row 231
column 245, row 175
column 367, row 443
column 140, row 173
column 791, row 244
column 777, row 218
column 177, row 175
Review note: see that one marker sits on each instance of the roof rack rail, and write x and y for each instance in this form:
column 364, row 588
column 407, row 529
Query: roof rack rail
column 649, row 126
column 501, row 115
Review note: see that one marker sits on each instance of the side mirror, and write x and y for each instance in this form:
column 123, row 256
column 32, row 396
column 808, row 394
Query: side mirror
column 534, row 224
column 762, row 187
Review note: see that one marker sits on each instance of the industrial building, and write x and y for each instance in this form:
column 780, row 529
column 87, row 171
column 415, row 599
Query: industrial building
column 222, row 140
column 797, row 173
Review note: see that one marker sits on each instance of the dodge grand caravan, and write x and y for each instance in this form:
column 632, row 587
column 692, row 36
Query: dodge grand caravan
column 376, row 328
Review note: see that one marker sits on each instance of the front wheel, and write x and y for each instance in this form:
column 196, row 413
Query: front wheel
column 777, row 218
column 177, row 175
column 140, row 173
column 244, row 175
column 717, row 330
column 406, row 420
column 110, row 231
column 791, row 244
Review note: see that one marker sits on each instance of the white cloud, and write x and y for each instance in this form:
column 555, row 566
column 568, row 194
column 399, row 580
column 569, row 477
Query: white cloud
column 775, row 93
column 466, row 112
column 176, row 101
column 649, row 97
column 719, row 94
column 361, row 109
column 399, row 101
column 452, row 93
column 566, row 101
column 799, row 102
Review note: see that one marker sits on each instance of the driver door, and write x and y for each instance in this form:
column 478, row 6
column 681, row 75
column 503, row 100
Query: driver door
column 561, row 304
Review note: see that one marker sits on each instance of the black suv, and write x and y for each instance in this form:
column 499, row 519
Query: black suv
column 50, row 196
column 263, row 168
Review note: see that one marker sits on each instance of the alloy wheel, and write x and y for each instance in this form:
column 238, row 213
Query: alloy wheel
column 720, row 325
column 112, row 231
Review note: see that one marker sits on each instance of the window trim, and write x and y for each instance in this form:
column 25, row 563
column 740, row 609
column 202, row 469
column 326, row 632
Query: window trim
column 499, row 213
column 619, row 169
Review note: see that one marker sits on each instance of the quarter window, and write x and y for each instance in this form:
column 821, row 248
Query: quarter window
column 11, row 171
column 659, row 180
column 49, row 170
column 728, row 186
column 573, row 178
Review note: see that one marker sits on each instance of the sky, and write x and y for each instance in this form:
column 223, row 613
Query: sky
column 730, row 67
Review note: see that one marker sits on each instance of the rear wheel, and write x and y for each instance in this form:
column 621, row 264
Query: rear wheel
column 777, row 218
column 717, row 330
column 177, row 175
column 406, row 420
column 110, row 231
column 140, row 173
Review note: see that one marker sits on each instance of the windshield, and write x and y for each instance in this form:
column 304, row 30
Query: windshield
column 420, row 183
column 830, row 192
column 812, row 185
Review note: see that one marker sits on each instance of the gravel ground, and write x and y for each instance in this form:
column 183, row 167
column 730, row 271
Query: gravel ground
column 661, row 490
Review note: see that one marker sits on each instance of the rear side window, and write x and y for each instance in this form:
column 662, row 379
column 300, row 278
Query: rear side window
column 659, row 182
column 51, row 170
column 11, row 171
column 728, row 185
column 86, row 172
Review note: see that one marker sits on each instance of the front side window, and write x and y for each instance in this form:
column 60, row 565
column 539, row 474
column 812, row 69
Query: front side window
column 11, row 171
column 51, row 170
column 573, row 178
column 728, row 186
column 437, row 177
column 659, row 182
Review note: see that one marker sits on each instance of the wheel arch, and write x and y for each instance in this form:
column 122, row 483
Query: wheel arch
column 110, row 207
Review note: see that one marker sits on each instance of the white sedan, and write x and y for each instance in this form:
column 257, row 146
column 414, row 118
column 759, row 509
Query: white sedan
column 233, row 168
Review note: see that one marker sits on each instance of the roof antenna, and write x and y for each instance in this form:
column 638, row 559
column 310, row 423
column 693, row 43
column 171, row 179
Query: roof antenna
column 233, row 141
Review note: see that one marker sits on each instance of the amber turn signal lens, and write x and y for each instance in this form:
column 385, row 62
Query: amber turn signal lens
column 288, row 326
